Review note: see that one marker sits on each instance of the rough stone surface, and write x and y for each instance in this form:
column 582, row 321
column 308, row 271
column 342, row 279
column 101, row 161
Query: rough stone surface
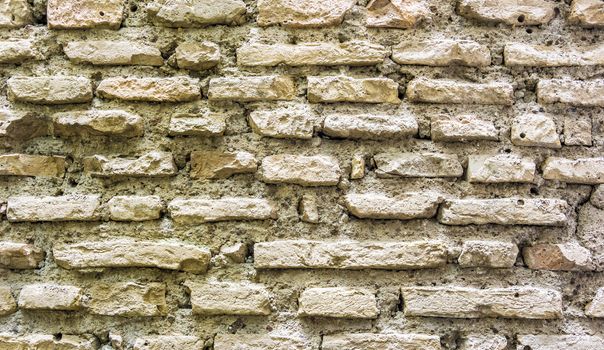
column 127, row 299
column 197, row 56
column 7, row 301
column 300, row 170
column 15, row 13
column 578, row 132
column 518, row 54
column 308, row 208
column 46, row 296
column 595, row 308
column 491, row 254
column 48, row 341
column 31, row 165
column 588, row 93
column 24, row 127
column 403, row 207
column 151, row 164
column 97, row 123
column 135, row 208
column 417, row 165
column 85, row 14
column 371, row 341
column 500, row 168
column 259, row 342
column 18, row 51
column 478, row 342
column 402, row 14
column 462, row 128
column 581, row 170
column 559, row 342
column 229, row 298
column 512, row 12
column 369, row 126
column 250, row 89
column 535, row 130
column 349, row 255
column 200, row 210
column 165, row 342
column 557, row 257
column 302, row 14
column 105, row 52
column 54, row 90
column 210, row 124
column 197, row 13
column 459, row 302
column 296, row 122
column 20, row 255
column 176, row 89
column 347, row 89
column 357, row 167
column 459, row 92
column 53, row 208
column 587, row 13
column 337, row 302
column 442, row 53
column 597, row 197
column 220, row 165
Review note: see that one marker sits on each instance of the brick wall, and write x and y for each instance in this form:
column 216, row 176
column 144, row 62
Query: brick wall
column 301, row 174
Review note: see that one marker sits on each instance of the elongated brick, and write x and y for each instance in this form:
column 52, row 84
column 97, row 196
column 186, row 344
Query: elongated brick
column 500, row 168
column 491, row 254
column 462, row 128
column 98, row 123
column 512, row 12
column 459, row 92
column 48, row 341
column 587, row 13
column 208, row 124
column 46, row 296
column 220, row 165
column 200, row 210
column 229, row 298
column 18, row 51
column 174, row 89
column 338, row 302
column 197, row 13
column 351, row 53
column 32, row 165
column 442, row 53
column 127, row 299
column 300, row 170
column 483, row 342
column 349, row 255
column 105, row 52
column 589, row 93
column 403, row 207
column 296, row 121
column 302, row 13
column 157, row 342
column 151, row 164
column 7, row 301
column 347, row 89
column 15, row 255
column 461, row 302
column 85, row 14
column 557, row 257
column 135, row 208
column 129, row 253
column 15, row 14
column 241, row 341
column 417, row 165
column 535, row 130
column 250, row 89
column 560, row 342
column 370, row 126
column 50, row 208
column 54, row 90
column 374, row 341
column 504, row 211
column 580, row 170
column 518, row 54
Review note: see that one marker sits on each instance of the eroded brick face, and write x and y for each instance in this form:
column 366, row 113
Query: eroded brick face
column 301, row 174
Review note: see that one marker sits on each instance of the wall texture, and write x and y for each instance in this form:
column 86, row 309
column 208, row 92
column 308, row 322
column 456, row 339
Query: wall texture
column 301, row 174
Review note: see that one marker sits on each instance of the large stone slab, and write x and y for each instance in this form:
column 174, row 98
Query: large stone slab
column 53, row 90
column 174, row 89
column 302, row 13
column 500, row 168
column 461, row 128
column 300, row 170
column 127, row 299
column 152, row 164
column 442, row 53
column 369, row 126
column 338, row 302
column 519, row 54
column 197, row 13
column 581, row 170
column 295, row 121
column 375, row 341
column 15, row 255
column 51, row 208
column 403, row 207
column 229, row 298
column 97, row 123
column 113, row 53
column 200, row 210
column 32, row 165
column 85, row 14
column 512, row 12
column 459, row 92
column 588, row 93
column 250, row 89
column 331, row 89
column 46, row 296
column 417, row 165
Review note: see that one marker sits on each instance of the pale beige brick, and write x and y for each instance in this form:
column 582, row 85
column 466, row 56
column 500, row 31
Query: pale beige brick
column 504, row 211
column 417, row 165
column 302, row 13
column 589, row 93
column 587, row 13
column 308, row 209
column 484, row 342
column 296, row 121
column 97, row 123
column 166, row 342
column 15, row 14
column 512, row 12
column 197, row 56
column 48, row 341
column 221, row 165
column 402, row 207
column 229, row 298
column 369, row 126
column 580, row 170
column 342, row 88
column 32, row 165
column 351, row 53
column 129, row 253
column 535, row 130
column 577, row 131
column 197, row 13
column 20, row 255
column 241, row 341
column 560, row 342
column 18, row 51
column 208, row 124
column 135, row 208
column 350, row 255
column 300, row 170
column 250, row 89
column 174, row 89
column 45, row 296
column 7, row 301
column 375, row 341
column 442, row 53
column 53, row 208
column 500, row 168
column 595, row 308
column 200, row 210
column 402, row 14
column 151, row 164
column 113, row 53
column 460, row 92
column 519, row 54
column 462, row 302
column 461, row 128
column 557, row 257
column 53, row 90
column 85, row 14
column 127, row 299
column 491, row 254
column 338, row 302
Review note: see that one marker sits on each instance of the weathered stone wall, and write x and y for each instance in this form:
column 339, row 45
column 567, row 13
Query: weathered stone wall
column 302, row 174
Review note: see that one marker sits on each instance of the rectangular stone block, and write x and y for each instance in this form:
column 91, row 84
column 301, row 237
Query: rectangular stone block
column 504, row 211
column 53, row 208
column 151, row 164
column 500, row 168
column 85, row 14
column 209, row 124
column 397, row 14
column 48, row 341
column 375, row 341
column 127, row 299
column 18, row 51
column 491, row 254
column 128, row 253
column 462, row 302
column 97, row 123
column 295, row 122
column 259, row 342
column 229, row 298
column 196, row 55
column 442, row 53
column 221, row 165
column 352, row 255
column 402, row 207
column 587, row 13
column 557, row 257
column 300, row 170
column 158, row 342
column 338, row 302
column 417, row 165
column 581, row 170
column 7, row 301
column 369, row 126
column 560, row 342
column 53, row 90
column 460, row 128
column 511, row 12
column 174, row 89
column 135, row 208
column 595, row 308
column 459, row 92
column 22, row 126
column 588, row 93
column 351, row 53
column 347, row 89
column 20, row 256
column 483, row 342
column 197, row 13
column 201, row 210
column 113, row 53
column 32, row 165
column 45, row 296
column 15, row 14
column 535, row 130
column 518, row 54
column 251, row 89
column 302, row 13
